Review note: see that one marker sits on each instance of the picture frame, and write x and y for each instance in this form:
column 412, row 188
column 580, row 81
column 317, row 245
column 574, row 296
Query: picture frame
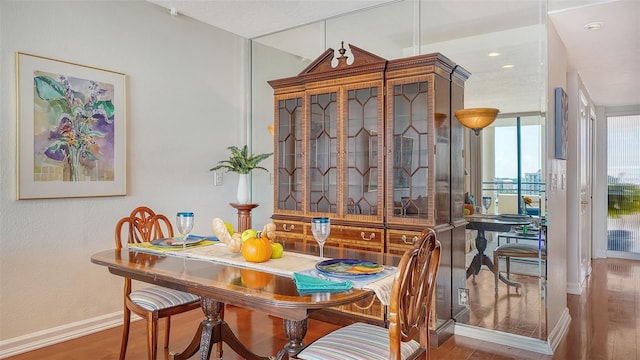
column 562, row 123
column 71, row 129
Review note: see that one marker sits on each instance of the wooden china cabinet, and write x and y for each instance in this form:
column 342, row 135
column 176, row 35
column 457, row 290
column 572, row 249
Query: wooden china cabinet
column 370, row 143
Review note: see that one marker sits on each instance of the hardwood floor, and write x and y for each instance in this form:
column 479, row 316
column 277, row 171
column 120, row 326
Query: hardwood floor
column 509, row 310
column 605, row 325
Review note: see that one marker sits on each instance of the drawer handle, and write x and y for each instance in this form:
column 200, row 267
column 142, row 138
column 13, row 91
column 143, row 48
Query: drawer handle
column 371, row 236
column 413, row 241
column 284, row 227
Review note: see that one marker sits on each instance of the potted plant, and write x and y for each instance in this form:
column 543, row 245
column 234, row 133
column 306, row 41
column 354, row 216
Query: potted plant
column 243, row 163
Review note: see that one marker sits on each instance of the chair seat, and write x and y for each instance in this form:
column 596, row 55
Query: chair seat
column 356, row 342
column 156, row 298
column 519, row 250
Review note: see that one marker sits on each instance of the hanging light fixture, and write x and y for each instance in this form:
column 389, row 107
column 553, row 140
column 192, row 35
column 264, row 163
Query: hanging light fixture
column 477, row 119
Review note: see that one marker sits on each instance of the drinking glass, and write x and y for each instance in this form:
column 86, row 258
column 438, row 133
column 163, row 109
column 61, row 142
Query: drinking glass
column 184, row 222
column 320, row 227
column 486, row 202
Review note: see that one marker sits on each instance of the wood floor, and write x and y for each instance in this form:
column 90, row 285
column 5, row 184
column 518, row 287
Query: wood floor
column 605, row 325
column 515, row 311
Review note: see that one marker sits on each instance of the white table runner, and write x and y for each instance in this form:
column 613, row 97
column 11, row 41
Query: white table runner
column 289, row 263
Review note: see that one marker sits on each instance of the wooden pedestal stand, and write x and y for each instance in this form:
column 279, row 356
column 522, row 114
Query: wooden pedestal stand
column 244, row 215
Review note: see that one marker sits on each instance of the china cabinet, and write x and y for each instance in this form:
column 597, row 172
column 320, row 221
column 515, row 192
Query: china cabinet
column 371, row 143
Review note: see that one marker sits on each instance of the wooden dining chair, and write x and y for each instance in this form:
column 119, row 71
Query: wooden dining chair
column 407, row 336
column 154, row 302
column 515, row 250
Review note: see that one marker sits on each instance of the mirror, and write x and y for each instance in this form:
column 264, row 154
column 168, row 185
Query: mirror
column 501, row 43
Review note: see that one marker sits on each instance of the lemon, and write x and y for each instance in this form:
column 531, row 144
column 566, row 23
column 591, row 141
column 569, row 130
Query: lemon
column 229, row 227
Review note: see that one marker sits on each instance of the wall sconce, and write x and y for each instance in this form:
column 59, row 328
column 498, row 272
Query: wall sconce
column 271, row 130
column 477, row 119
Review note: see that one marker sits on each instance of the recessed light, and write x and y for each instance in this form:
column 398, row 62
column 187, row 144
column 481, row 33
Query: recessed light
column 508, row 66
column 593, row 26
column 492, row 54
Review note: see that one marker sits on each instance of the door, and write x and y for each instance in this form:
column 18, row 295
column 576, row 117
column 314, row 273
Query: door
column 584, row 165
column 623, row 176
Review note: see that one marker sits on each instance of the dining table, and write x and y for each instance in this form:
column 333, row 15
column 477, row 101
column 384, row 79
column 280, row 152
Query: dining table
column 495, row 223
column 253, row 286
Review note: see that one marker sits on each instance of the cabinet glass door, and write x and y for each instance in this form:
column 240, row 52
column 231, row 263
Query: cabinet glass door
column 289, row 155
column 323, row 153
column 409, row 163
column 363, row 138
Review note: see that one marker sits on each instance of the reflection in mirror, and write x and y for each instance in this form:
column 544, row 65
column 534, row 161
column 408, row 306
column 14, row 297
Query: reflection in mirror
column 466, row 32
column 513, row 186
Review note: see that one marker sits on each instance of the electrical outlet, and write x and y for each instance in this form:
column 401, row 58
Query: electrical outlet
column 217, row 179
column 463, row 297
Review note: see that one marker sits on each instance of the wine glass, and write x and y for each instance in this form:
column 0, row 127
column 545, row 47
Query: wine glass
column 486, row 202
column 184, row 222
column 320, row 227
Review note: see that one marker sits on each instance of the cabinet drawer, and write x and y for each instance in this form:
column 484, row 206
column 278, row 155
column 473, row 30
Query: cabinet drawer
column 289, row 228
column 347, row 235
column 399, row 241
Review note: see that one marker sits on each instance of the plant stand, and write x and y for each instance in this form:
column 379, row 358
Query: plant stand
column 244, row 215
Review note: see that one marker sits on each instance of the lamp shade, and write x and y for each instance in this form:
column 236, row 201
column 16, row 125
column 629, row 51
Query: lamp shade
column 477, row 118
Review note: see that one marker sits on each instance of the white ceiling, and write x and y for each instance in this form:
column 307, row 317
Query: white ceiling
column 607, row 60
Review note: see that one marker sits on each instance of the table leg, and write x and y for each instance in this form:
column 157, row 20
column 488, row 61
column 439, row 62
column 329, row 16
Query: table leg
column 213, row 330
column 295, row 332
column 482, row 259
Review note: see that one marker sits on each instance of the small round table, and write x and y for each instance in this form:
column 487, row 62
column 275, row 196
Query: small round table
column 483, row 223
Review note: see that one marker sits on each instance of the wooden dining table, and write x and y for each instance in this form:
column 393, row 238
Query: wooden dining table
column 219, row 283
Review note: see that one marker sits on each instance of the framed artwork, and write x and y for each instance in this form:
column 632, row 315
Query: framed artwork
column 562, row 123
column 71, row 129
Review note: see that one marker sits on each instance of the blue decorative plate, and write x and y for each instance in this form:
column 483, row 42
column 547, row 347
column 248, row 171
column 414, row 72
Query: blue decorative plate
column 173, row 242
column 348, row 267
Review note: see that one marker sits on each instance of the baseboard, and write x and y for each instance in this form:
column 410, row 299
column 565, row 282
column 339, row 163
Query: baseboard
column 40, row 339
column 574, row 288
column 502, row 338
column 560, row 330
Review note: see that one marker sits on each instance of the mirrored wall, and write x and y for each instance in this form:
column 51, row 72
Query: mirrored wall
column 501, row 43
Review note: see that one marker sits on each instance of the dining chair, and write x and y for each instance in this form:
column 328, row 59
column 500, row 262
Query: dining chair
column 154, row 302
column 515, row 250
column 407, row 335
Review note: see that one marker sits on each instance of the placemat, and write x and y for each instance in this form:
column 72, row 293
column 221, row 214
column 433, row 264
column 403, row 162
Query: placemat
column 148, row 247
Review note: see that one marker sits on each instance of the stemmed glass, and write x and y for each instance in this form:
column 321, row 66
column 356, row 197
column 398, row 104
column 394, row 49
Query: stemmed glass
column 320, row 227
column 486, row 202
column 184, row 222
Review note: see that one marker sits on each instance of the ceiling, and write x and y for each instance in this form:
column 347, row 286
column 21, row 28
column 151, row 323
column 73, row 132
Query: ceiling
column 607, row 60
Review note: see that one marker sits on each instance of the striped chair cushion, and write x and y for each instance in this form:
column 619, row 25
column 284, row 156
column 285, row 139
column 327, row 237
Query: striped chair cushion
column 155, row 298
column 355, row 342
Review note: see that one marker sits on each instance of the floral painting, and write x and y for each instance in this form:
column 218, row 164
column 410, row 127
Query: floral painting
column 71, row 129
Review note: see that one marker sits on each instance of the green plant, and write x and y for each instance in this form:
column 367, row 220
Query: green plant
column 240, row 161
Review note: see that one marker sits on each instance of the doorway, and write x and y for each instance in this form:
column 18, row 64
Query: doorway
column 623, row 186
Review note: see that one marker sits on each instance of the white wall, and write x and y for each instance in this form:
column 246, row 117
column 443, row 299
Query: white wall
column 186, row 87
column 578, row 242
column 557, row 310
column 280, row 65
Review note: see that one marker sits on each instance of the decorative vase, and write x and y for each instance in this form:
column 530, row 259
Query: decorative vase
column 243, row 189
